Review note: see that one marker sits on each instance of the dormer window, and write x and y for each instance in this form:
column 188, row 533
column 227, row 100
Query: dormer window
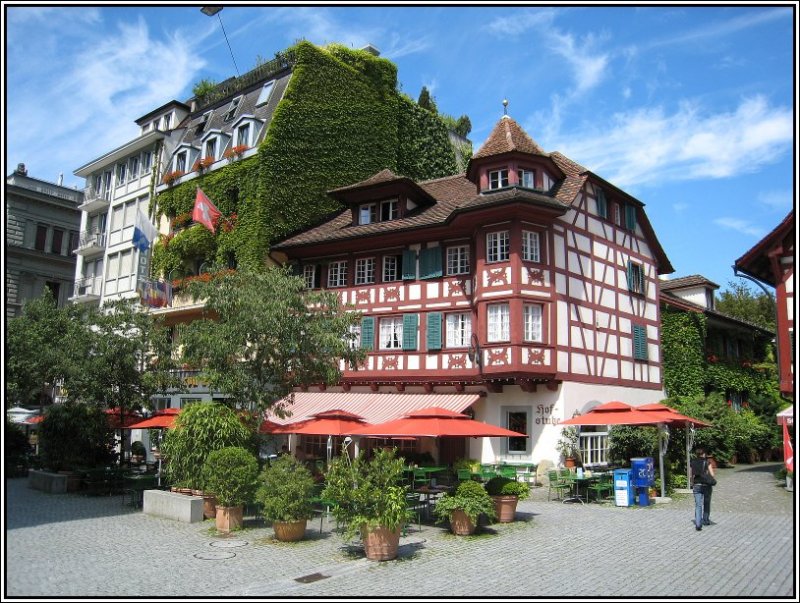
column 211, row 148
column 389, row 210
column 498, row 179
column 202, row 123
column 266, row 92
column 367, row 214
column 526, row 178
column 243, row 135
column 232, row 108
column 165, row 122
column 602, row 205
column 180, row 161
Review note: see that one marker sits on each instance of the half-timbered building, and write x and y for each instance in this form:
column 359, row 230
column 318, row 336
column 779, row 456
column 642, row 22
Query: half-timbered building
column 527, row 289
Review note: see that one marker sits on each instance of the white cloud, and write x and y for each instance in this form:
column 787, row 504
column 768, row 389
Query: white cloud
column 647, row 146
column 742, row 226
column 778, row 201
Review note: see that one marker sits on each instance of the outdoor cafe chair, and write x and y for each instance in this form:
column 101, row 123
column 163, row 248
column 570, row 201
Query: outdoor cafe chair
column 603, row 487
column 556, row 484
column 464, row 475
column 321, row 505
column 416, row 506
column 508, row 471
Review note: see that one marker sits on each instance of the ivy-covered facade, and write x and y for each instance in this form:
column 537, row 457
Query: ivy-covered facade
column 334, row 116
column 707, row 351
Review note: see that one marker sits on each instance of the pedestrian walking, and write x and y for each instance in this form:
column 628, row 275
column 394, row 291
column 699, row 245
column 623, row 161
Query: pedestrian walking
column 703, row 480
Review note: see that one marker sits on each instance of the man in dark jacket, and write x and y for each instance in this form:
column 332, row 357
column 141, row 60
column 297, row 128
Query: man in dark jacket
column 702, row 473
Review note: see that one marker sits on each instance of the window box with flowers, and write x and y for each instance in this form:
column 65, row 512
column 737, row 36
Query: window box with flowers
column 235, row 152
column 171, row 177
column 203, row 164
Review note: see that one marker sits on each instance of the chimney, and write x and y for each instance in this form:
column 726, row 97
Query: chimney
column 21, row 170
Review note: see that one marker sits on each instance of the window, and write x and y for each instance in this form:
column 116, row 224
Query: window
column 133, row 167
column 367, row 214
column 630, row 217
column 211, row 148
column 354, row 337
column 232, row 108
column 430, row 262
column 532, row 315
column 389, row 210
column 180, row 161
column 517, row 419
column 147, row 161
column 526, row 178
column 498, row 179
column 121, row 173
column 107, row 185
column 391, row 268
column 55, row 289
column 365, row 271
column 499, row 328
column 458, row 330
column 41, row 237
column 201, row 123
column 602, row 205
column 497, row 246
column 367, row 332
column 636, row 278
column 310, row 276
column 74, row 241
column 458, row 259
column 617, row 217
column 639, row 342
column 391, row 333
column 58, row 241
column 243, row 135
column 165, row 122
column 266, row 91
column 337, row 274
column 530, row 246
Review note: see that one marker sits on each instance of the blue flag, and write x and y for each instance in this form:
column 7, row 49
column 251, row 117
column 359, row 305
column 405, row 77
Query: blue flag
column 144, row 233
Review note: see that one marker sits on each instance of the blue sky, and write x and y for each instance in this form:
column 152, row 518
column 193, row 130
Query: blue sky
column 687, row 108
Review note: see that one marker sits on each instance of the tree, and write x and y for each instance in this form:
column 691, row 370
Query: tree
column 426, row 100
column 741, row 302
column 463, row 126
column 36, row 340
column 264, row 334
column 203, row 87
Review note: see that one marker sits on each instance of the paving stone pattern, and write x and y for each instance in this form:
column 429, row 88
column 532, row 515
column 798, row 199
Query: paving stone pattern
column 72, row 545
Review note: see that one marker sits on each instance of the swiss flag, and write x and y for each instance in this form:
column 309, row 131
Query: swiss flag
column 205, row 212
column 788, row 453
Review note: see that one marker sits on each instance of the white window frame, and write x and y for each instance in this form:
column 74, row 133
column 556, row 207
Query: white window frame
column 266, row 93
column 393, row 210
column 165, row 121
column 122, row 170
column 133, row 167
column 498, row 323
column 310, row 276
column 458, row 329
column 367, row 213
column 458, row 259
column 391, row 333
column 391, row 268
column 181, row 161
column 497, row 246
column 337, row 274
column 239, row 141
column 523, row 174
column 354, row 342
column 498, row 179
column 231, row 112
column 211, row 142
column 531, row 246
column 365, row 271
column 533, row 318
column 147, row 162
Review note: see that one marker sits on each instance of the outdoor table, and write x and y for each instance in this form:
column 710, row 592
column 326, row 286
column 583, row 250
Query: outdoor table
column 430, row 493
column 576, row 483
column 135, row 485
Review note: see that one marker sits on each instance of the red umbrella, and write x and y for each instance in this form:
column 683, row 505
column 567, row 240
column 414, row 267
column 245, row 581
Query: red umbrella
column 437, row 422
column 672, row 415
column 162, row 419
column 128, row 418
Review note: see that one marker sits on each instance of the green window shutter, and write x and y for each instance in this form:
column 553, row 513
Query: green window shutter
column 434, row 332
column 630, row 275
column 409, row 265
column 430, row 263
column 410, row 322
column 639, row 342
column 602, row 206
column 630, row 217
column 367, row 332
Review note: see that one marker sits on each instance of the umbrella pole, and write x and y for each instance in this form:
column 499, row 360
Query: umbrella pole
column 160, row 434
column 661, row 459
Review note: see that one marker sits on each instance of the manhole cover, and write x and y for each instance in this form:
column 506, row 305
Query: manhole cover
column 228, row 544
column 215, row 555
column 311, row 578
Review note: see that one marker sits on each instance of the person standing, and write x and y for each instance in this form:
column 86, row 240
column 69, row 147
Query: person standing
column 703, row 479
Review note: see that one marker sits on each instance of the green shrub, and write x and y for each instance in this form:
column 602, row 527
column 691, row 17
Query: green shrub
column 285, row 491
column 75, row 435
column 231, row 474
column 137, row 448
column 505, row 486
column 471, row 498
column 16, row 450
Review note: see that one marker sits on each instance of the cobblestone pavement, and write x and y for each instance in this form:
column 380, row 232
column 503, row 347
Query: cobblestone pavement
column 73, row 545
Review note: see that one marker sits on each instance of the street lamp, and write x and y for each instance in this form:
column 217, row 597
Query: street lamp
column 210, row 11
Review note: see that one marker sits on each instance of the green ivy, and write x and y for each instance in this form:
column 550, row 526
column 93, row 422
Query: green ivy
column 341, row 120
column 683, row 337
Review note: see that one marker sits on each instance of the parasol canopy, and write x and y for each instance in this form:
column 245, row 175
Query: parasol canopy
column 330, row 422
column 162, row 419
column 437, row 422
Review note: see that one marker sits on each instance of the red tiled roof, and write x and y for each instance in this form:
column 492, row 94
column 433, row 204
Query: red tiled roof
column 508, row 136
column 683, row 282
column 382, row 176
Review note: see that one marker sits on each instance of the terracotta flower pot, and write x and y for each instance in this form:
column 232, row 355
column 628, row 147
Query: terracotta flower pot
column 461, row 524
column 230, row 518
column 289, row 531
column 505, row 507
column 381, row 543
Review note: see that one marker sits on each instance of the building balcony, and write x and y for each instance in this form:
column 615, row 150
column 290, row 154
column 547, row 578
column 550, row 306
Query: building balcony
column 91, row 243
column 88, row 289
column 95, row 200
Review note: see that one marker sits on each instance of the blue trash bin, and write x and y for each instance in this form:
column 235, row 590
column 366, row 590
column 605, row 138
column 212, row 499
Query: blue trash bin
column 623, row 488
column 643, row 477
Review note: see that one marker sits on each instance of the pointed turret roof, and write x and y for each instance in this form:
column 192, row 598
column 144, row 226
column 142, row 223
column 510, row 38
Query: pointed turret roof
column 508, row 136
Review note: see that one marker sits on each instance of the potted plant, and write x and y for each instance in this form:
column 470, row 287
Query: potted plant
column 506, row 493
column 463, row 508
column 138, row 451
column 369, row 499
column 231, row 473
column 568, row 446
column 285, row 496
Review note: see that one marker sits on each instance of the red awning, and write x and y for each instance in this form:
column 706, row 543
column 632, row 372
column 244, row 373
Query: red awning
column 373, row 408
column 162, row 419
column 438, row 422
